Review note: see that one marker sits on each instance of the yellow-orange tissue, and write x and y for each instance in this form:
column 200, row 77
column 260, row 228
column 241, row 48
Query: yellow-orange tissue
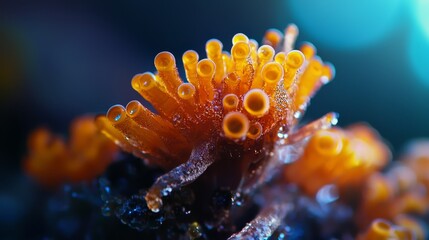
column 233, row 104
column 417, row 160
column 380, row 229
column 344, row 158
column 401, row 191
column 53, row 161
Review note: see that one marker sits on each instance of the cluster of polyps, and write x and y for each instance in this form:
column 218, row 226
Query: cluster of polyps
column 230, row 111
column 234, row 122
column 340, row 157
column 53, row 161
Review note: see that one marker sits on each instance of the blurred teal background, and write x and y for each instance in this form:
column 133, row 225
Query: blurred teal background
column 59, row 60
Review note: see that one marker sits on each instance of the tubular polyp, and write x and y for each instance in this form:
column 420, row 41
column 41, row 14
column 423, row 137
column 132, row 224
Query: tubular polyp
column 379, row 229
column 402, row 233
column 165, row 64
column 232, row 81
column 165, row 61
column 255, row 131
column 309, row 50
column 328, row 71
column 190, row 60
column 256, row 102
column 235, row 125
column 214, row 53
column 291, row 32
column 265, row 55
column 186, row 92
column 149, row 89
column 272, row 73
column 294, row 60
column 254, row 52
column 240, row 50
column 142, row 138
column 272, row 37
column 145, row 118
column 240, row 53
column 226, row 57
column 411, row 224
column 144, row 81
column 280, row 57
column 206, row 70
column 112, row 133
column 246, row 79
column 309, row 83
column 165, row 130
column 326, row 143
column 230, row 102
column 240, row 37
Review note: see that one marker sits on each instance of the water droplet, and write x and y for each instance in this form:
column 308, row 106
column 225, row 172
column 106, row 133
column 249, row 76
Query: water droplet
column 282, row 133
column 286, row 154
column 118, row 117
column 334, row 119
column 166, row 191
column 327, row 194
column 106, row 211
column 238, row 200
column 324, row 80
column 177, row 118
column 297, row 114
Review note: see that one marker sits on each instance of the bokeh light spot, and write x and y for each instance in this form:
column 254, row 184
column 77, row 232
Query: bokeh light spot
column 345, row 24
column 422, row 10
column 418, row 53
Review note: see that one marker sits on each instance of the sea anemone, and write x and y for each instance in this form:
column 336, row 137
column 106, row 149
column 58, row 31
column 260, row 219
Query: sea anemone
column 227, row 119
column 225, row 155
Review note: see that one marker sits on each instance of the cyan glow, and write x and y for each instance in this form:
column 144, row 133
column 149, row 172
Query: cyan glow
column 419, row 55
column 422, row 14
column 345, row 24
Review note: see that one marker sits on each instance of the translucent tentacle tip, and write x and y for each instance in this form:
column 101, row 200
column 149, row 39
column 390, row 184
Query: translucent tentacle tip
column 272, row 72
column 116, row 113
column 240, row 50
column 144, row 81
column 295, row 59
column 331, row 119
column 165, row 61
column 153, row 199
column 256, row 102
column 230, row 102
column 235, row 125
column 327, row 142
column 240, row 37
column 190, row 57
column 186, row 91
column 206, row 68
column 266, row 53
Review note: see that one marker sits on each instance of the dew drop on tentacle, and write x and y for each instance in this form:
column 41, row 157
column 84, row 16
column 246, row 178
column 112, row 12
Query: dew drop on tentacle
column 327, row 194
column 201, row 158
column 270, row 216
column 325, row 122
